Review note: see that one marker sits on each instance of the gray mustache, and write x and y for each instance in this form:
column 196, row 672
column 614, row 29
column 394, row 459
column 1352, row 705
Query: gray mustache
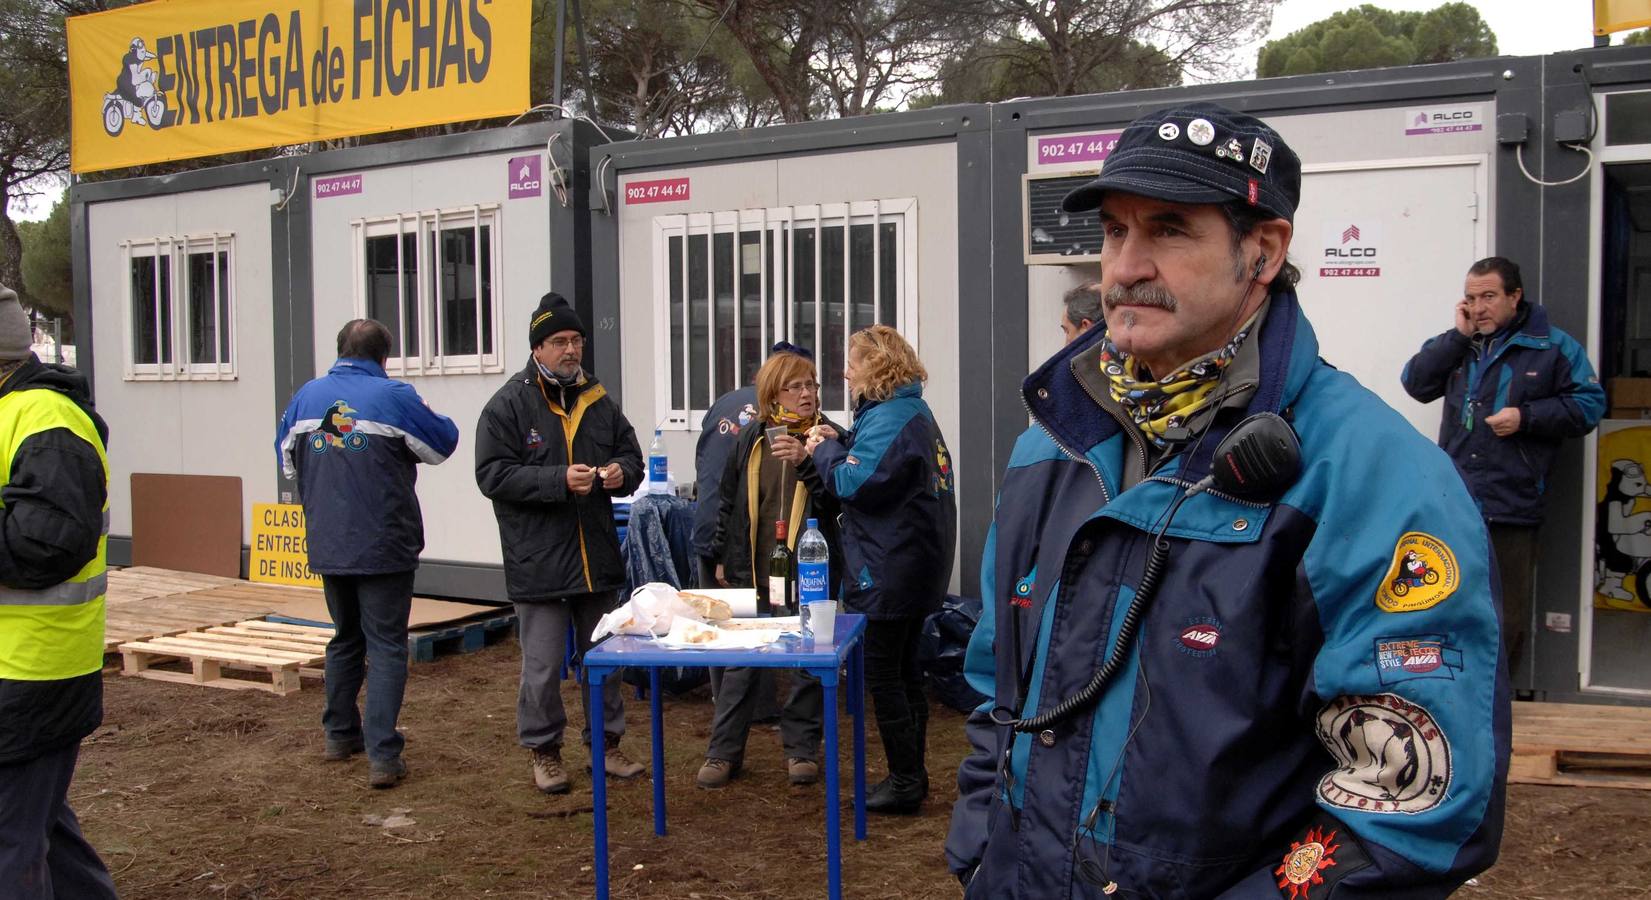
column 1146, row 294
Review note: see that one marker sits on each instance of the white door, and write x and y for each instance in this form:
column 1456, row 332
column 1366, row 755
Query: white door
column 1383, row 248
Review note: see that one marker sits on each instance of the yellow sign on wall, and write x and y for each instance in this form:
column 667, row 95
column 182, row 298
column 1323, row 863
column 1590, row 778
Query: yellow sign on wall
column 1622, row 519
column 280, row 547
column 1620, row 15
column 162, row 81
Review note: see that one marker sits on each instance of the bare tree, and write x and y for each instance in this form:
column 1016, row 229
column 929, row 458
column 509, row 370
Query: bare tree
column 34, row 118
column 841, row 57
column 1068, row 41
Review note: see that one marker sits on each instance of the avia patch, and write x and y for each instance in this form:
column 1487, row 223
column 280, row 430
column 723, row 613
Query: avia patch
column 1408, row 657
column 1199, row 636
column 1424, row 572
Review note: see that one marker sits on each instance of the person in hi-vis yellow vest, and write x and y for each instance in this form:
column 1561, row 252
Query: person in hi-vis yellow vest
column 54, row 508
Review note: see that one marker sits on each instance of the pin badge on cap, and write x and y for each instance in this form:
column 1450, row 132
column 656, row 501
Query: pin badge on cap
column 1261, row 153
column 1232, row 150
column 1200, row 132
column 1169, row 131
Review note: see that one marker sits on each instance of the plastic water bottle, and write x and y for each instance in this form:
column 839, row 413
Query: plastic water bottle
column 813, row 570
column 659, row 466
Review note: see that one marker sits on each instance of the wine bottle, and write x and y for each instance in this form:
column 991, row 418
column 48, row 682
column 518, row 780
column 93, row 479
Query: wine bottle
column 782, row 599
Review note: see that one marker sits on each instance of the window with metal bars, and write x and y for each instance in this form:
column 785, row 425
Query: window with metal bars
column 732, row 283
column 431, row 277
column 180, row 296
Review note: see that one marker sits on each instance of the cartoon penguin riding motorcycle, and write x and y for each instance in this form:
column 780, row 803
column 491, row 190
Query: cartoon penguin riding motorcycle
column 135, row 96
column 1416, row 573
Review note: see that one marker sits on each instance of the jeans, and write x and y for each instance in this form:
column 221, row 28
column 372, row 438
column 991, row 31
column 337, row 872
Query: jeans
column 896, row 687
column 43, row 855
column 737, row 701
column 543, row 631
column 369, row 614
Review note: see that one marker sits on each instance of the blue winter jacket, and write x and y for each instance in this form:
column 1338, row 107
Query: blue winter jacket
column 1315, row 705
column 899, row 521
column 353, row 438
column 1533, row 366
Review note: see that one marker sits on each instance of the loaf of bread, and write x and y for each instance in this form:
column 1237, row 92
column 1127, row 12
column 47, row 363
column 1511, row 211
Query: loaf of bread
column 709, row 608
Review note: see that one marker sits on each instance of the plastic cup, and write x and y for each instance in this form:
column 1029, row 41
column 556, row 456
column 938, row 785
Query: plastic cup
column 822, row 618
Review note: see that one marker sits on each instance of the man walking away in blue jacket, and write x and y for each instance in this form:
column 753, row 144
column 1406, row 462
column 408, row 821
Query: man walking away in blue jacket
column 1514, row 386
column 353, row 439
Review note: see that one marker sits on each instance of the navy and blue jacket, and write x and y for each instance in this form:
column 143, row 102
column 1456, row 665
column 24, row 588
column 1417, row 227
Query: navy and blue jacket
column 894, row 478
column 1315, row 704
column 1531, row 366
column 353, row 438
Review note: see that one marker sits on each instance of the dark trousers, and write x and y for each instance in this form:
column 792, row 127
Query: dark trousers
column 896, row 687
column 43, row 855
column 1515, row 547
column 369, row 614
column 542, row 629
column 766, row 709
column 737, row 700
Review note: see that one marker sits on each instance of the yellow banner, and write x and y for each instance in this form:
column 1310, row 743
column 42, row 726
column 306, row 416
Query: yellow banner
column 1620, row 15
column 280, row 546
column 186, row 78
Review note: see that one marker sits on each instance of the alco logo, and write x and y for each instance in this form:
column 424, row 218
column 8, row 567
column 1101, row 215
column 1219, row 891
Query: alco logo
column 1443, row 120
column 1351, row 249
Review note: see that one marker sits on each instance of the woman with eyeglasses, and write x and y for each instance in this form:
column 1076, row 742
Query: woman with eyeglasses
column 770, row 479
column 894, row 478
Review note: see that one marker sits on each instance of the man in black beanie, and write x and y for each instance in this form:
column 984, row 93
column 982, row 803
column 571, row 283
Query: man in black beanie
column 552, row 448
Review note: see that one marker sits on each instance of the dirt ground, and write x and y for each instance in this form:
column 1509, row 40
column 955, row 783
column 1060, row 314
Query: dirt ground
column 202, row 792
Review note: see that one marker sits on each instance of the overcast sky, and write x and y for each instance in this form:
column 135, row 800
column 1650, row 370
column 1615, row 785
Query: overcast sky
column 1522, row 27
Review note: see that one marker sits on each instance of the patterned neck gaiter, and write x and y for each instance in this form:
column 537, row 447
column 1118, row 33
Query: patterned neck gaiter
column 793, row 422
column 1156, row 406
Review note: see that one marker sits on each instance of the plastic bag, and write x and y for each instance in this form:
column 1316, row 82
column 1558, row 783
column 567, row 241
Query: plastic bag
column 650, row 611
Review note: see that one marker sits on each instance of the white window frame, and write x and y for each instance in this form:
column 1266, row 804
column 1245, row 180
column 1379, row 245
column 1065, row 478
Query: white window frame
column 175, row 250
column 212, row 245
column 426, row 359
column 770, row 223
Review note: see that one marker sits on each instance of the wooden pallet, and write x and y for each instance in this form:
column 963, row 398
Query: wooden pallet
column 280, row 651
column 145, row 602
column 1581, row 745
column 460, row 637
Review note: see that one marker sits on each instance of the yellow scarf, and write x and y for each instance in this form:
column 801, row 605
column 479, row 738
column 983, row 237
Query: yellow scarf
column 793, row 422
column 1156, row 406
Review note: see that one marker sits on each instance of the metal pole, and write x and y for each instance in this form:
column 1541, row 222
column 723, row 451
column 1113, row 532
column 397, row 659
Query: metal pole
column 584, row 59
column 561, row 41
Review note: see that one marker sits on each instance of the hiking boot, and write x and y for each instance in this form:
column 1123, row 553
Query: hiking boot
column 341, row 751
column 386, row 774
column 802, row 771
column 716, row 773
column 618, row 765
column 548, row 774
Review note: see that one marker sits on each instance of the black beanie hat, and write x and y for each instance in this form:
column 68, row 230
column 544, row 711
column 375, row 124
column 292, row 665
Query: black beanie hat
column 553, row 314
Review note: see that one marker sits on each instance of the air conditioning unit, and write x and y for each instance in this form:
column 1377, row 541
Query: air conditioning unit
column 1053, row 237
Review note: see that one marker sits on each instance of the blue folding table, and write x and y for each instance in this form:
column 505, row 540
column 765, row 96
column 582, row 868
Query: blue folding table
column 822, row 661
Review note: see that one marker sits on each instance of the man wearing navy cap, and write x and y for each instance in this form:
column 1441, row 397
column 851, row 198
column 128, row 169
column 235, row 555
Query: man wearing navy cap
column 1222, row 674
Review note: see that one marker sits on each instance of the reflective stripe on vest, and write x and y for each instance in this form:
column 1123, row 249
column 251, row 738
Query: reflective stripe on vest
column 69, row 593
column 57, row 632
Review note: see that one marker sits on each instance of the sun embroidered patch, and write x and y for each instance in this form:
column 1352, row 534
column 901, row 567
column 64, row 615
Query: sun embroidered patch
column 1423, row 574
column 1391, row 755
column 1308, row 857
